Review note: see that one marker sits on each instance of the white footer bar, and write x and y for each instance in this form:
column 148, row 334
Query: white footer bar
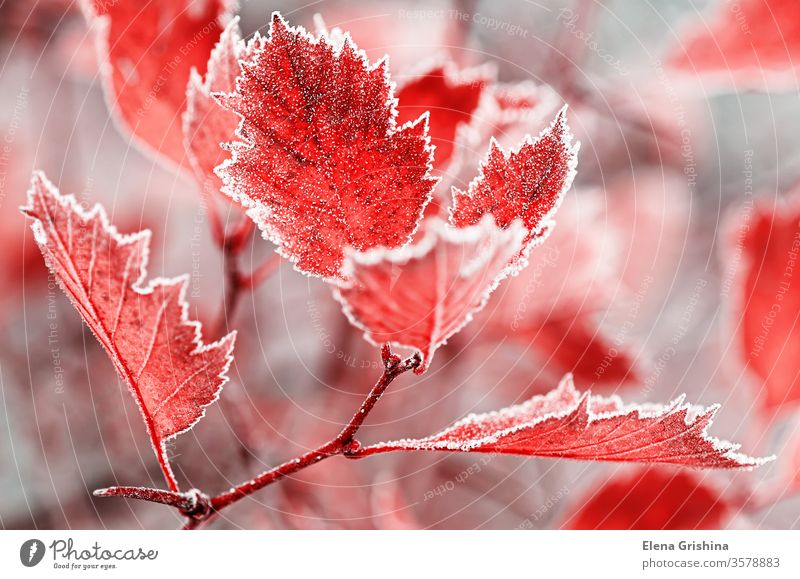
column 389, row 554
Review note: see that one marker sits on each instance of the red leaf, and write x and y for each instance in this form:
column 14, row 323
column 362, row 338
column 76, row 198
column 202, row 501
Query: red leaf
column 765, row 301
column 146, row 51
column 467, row 109
column 323, row 165
column 577, row 345
column 567, row 424
column 418, row 296
column 450, row 96
column 528, row 183
column 652, row 499
column 756, row 45
column 506, row 112
column 155, row 349
column 207, row 125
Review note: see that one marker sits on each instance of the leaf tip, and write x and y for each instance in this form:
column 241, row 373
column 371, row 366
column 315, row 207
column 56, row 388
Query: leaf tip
column 277, row 23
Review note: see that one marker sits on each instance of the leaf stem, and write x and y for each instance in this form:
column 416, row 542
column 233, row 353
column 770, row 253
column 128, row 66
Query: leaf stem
column 214, row 218
column 166, row 467
column 232, row 290
column 236, row 281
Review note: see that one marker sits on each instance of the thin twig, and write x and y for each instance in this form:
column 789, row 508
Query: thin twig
column 236, row 281
column 192, row 504
column 232, row 291
column 214, row 218
column 344, row 443
column 200, row 509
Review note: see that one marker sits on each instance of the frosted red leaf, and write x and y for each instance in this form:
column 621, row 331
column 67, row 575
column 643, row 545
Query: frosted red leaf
column 567, row 424
column 754, row 46
column 322, row 164
column 450, row 96
column 146, row 52
column 527, row 183
column 765, row 300
column 652, row 499
column 507, row 113
column 144, row 329
column 420, row 295
column 207, row 125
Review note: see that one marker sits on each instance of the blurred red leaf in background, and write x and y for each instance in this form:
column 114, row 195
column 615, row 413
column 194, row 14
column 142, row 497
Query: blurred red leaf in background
column 207, row 125
column 146, row 52
column 651, row 498
column 450, row 95
column 765, row 299
column 749, row 44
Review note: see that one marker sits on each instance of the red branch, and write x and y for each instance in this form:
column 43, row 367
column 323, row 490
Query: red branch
column 344, row 443
column 192, row 504
column 199, row 508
